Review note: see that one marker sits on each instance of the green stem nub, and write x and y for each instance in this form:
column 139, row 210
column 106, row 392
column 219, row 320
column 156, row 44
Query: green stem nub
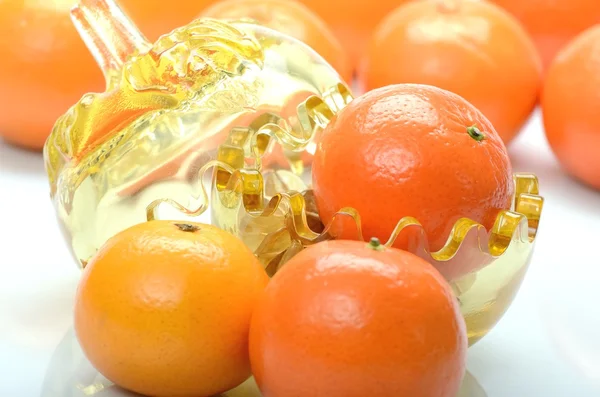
column 375, row 244
column 186, row 227
column 475, row 133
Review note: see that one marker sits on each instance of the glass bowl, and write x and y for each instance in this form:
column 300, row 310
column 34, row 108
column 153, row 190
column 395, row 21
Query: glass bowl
column 172, row 109
column 219, row 120
column 484, row 268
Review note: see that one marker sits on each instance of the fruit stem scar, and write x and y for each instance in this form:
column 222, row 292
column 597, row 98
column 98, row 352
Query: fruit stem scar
column 186, row 227
column 375, row 244
column 475, row 133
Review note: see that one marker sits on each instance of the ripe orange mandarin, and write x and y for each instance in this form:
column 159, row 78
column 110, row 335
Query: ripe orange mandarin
column 292, row 18
column 45, row 66
column 472, row 48
column 351, row 319
column 164, row 309
column 411, row 150
column 353, row 21
column 570, row 103
column 553, row 23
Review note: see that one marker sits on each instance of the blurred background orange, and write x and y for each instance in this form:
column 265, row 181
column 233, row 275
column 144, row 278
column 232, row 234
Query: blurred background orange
column 353, row 21
column 570, row 101
column 472, row 48
column 46, row 67
column 553, row 23
column 292, row 18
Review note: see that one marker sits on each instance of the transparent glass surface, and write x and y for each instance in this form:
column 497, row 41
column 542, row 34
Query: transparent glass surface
column 237, row 93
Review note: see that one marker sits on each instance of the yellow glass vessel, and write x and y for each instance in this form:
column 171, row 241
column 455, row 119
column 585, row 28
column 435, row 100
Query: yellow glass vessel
column 170, row 108
column 220, row 119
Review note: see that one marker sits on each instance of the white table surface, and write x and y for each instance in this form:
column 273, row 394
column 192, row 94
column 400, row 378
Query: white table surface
column 547, row 344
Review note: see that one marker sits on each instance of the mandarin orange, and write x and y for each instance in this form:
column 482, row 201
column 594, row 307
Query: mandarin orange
column 553, row 23
column 164, row 309
column 351, row 319
column 570, row 102
column 474, row 49
column 46, row 67
column 292, row 18
column 353, row 22
column 411, row 150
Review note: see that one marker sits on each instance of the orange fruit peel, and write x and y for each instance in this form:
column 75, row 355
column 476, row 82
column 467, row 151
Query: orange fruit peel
column 164, row 309
column 569, row 108
column 441, row 43
column 357, row 319
column 552, row 24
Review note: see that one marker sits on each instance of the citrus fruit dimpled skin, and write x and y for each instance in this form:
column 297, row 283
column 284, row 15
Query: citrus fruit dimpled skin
column 292, row 18
column 164, row 310
column 570, row 103
column 406, row 150
column 341, row 319
column 553, row 23
column 472, row 48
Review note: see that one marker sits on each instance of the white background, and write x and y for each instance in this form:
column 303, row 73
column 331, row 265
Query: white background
column 548, row 344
